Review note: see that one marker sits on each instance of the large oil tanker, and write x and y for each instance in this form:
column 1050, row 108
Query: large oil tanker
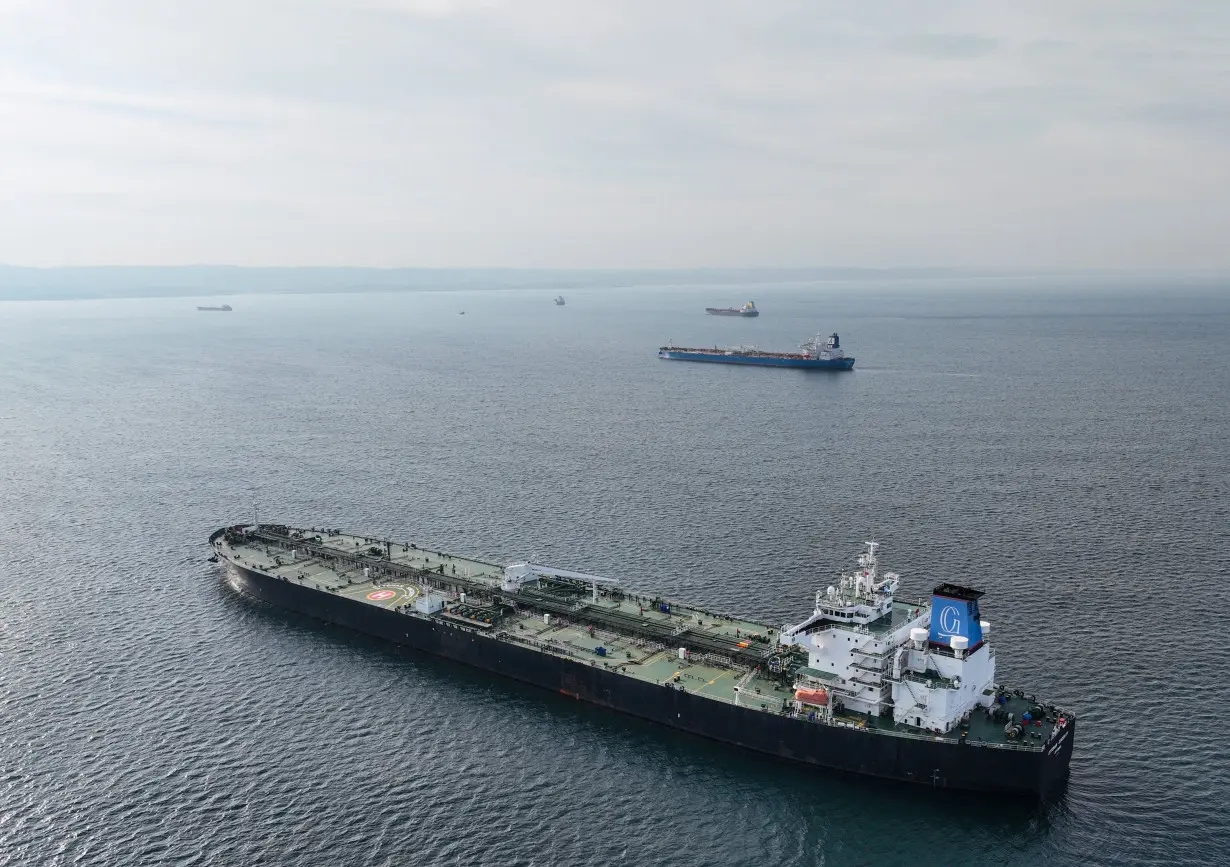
column 816, row 354
column 865, row 682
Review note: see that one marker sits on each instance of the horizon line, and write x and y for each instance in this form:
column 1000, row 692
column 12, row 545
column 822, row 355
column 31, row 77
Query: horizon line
column 636, row 268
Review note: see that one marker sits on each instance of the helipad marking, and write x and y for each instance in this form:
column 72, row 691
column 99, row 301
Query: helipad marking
column 381, row 595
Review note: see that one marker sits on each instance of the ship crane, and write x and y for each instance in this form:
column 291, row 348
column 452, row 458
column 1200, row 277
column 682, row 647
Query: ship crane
column 525, row 573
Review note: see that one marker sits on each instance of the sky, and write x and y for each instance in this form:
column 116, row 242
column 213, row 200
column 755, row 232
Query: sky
column 625, row 133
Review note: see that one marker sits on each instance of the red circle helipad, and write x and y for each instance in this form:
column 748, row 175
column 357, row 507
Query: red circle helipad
column 381, row 595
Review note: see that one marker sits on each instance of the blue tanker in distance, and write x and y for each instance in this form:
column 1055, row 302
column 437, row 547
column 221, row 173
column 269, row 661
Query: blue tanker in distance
column 816, row 354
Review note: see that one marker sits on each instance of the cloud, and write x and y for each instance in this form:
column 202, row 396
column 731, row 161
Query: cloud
column 949, row 46
column 424, row 8
column 544, row 132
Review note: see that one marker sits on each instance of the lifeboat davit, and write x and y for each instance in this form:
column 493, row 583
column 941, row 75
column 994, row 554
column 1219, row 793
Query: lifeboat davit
column 817, row 697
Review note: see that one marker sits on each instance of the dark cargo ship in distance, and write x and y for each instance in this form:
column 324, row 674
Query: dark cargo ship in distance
column 816, row 354
column 748, row 309
column 223, row 309
column 865, row 682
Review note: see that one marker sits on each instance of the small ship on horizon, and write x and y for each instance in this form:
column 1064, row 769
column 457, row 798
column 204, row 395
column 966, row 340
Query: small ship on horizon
column 225, row 308
column 747, row 310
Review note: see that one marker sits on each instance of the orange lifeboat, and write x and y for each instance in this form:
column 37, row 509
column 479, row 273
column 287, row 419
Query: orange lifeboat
column 818, row 697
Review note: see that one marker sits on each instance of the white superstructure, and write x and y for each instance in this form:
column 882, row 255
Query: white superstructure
column 828, row 348
column 874, row 655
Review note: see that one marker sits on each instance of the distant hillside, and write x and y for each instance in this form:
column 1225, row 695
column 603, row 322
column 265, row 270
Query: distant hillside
column 168, row 282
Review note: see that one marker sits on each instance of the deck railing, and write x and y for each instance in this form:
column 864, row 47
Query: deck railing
column 929, row 682
column 918, row 736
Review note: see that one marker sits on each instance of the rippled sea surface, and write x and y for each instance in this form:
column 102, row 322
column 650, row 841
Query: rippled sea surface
column 1064, row 447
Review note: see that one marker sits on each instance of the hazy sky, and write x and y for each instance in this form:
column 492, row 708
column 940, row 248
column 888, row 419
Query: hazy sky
column 622, row 133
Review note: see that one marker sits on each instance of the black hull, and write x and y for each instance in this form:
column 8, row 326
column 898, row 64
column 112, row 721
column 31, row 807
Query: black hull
column 917, row 760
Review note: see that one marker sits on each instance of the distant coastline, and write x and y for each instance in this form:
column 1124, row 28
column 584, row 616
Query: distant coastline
column 19, row 283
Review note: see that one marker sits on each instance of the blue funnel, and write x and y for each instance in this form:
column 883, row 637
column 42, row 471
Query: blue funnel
column 954, row 611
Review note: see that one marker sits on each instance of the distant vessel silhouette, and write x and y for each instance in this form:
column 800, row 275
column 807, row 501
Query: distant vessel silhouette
column 559, row 301
column 748, row 309
column 223, row 308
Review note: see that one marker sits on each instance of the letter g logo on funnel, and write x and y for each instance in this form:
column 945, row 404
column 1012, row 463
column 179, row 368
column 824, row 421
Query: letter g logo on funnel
column 950, row 620
column 951, row 614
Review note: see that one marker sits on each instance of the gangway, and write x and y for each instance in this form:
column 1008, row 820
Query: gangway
column 524, row 573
